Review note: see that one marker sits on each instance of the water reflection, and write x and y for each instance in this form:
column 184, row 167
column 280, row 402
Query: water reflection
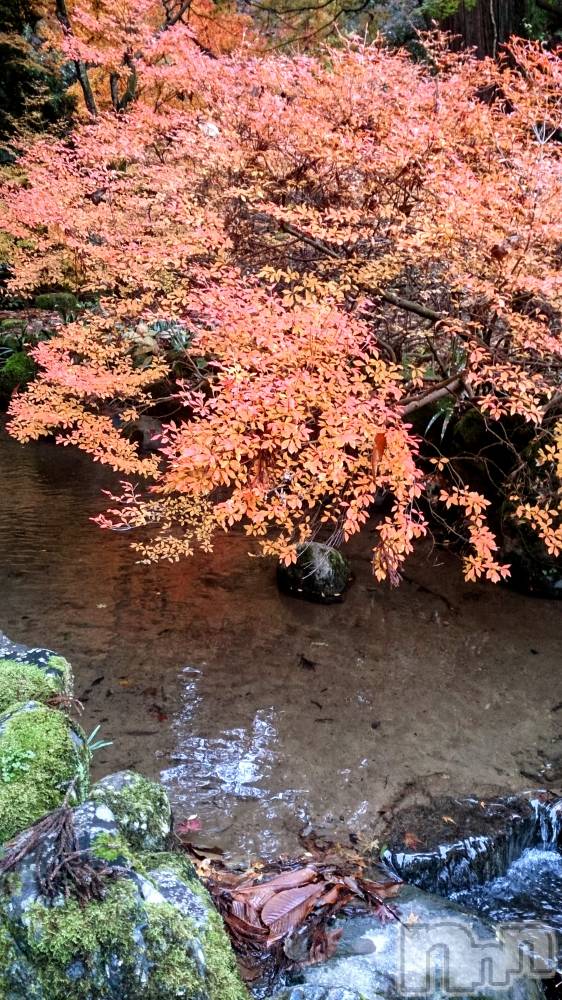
column 394, row 696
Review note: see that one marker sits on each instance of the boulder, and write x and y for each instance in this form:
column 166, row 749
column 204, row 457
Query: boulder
column 32, row 675
column 141, row 808
column 64, row 302
column 320, row 574
column 461, row 843
column 43, row 756
column 437, row 950
column 154, row 934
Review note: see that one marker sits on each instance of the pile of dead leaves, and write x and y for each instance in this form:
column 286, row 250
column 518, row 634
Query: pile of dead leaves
column 278, row 912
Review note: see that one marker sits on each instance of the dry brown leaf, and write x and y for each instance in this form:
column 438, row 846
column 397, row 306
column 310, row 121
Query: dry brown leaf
column 410, row 840
column 290, row 908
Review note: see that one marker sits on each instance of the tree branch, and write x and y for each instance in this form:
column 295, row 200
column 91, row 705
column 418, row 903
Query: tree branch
column 129, row 94
column 396, row 300
column 409, row 306
column 450, row 388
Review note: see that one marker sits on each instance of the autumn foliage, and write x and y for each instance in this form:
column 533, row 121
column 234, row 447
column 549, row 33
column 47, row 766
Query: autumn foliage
column 329, row 243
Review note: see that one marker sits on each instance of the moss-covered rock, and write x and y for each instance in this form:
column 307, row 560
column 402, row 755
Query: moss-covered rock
column 34, row 675
column 141, row 808
column 154, row 936
column 15, row 374
column 41, row 755
column 132, row 944
column 320, row 574
column 152, row 933
column 64, row 302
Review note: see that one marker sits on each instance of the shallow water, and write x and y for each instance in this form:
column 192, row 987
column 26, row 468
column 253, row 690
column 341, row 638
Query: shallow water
column 261, row 713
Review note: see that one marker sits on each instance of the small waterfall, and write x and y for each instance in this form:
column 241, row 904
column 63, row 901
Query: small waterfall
column 471, row 861
column 549, row 820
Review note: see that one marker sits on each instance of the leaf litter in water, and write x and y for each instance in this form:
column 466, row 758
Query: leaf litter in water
column 278, row 914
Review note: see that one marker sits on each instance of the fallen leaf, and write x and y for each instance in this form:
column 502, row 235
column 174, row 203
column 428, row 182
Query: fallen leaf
column 192, row 823
column 410, row 840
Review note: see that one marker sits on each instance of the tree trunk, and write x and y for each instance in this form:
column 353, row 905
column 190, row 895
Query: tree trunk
column 487, row 24
column 80, row 67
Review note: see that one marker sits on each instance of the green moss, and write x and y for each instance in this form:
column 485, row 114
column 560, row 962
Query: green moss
column 16, row 373
column 141, row 808
column 71, row 949
column 444, row 8
column 114, row 848
column 41, row 752
column 223, row 976
column 13, row 325
column 21, row 681
column 69, row 946
column 178, row 864
column 64, row 302
column 170, row 938
column 61, row 666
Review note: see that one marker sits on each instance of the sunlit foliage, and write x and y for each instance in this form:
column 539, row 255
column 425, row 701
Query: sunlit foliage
column 344, row 239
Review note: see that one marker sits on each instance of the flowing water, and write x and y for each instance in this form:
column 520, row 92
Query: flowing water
column 262, row 714
column 531, row 889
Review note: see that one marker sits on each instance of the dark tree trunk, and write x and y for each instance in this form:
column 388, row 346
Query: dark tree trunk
column 487, row 24
column 80, row 67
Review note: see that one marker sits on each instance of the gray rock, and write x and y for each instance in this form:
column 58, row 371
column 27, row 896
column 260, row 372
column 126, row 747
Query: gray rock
column 8, row 648
column 141, row 807
column 437, row 951
column 180, row 895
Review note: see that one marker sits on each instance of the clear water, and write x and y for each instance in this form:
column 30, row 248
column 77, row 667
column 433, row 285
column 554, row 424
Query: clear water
column 261, row 713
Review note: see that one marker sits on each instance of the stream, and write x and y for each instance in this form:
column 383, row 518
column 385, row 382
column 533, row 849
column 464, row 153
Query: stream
column 262, row 714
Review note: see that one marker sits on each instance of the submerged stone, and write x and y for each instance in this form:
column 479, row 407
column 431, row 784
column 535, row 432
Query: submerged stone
column 141, row 807
column 320, row 574
column 42, row 755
